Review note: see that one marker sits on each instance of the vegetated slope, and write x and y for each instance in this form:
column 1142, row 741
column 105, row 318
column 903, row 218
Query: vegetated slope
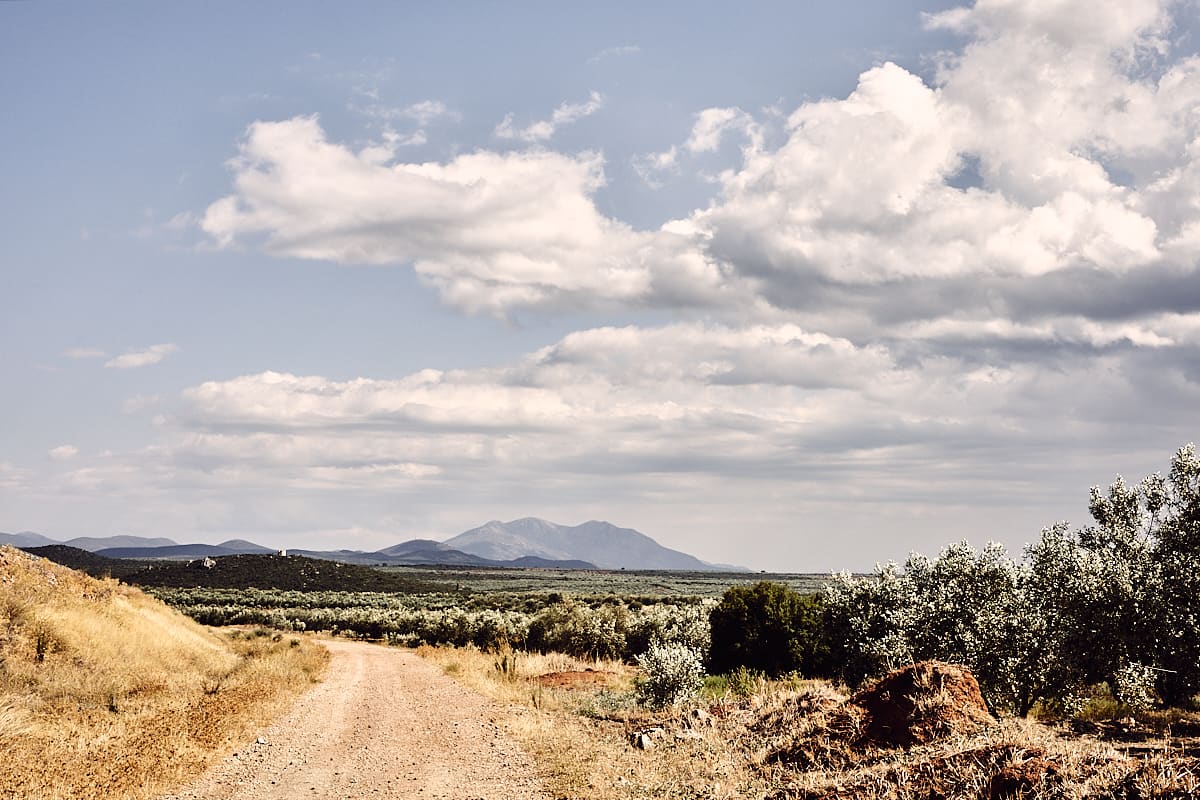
column 599, row 543
column 241, row 571
column 107, row 692
column 180, row 551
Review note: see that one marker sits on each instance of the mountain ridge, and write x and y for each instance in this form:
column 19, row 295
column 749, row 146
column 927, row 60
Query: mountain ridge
column 528, row 542
column 601, row 543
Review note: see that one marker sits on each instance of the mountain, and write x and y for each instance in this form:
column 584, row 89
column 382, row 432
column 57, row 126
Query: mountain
column 600, row 543
column 25, row 539
column 93, row 543
column 428, row 551
column 242, row 546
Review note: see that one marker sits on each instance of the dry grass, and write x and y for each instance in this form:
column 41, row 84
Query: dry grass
column 106, row 692
column 580, row 734
column 794, row 740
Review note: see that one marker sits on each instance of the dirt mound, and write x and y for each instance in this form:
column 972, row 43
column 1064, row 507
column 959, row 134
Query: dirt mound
column 569, row 678
column 920, row 703
column 912, row 706
column 1019, row 779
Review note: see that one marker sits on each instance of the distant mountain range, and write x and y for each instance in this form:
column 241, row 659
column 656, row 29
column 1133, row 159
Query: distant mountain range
column 600, row 543
column 528, row 542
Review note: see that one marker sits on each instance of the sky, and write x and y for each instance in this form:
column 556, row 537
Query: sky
column 795, row 286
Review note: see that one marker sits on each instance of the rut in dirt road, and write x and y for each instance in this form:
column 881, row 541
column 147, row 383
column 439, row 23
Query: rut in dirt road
column 384, row 724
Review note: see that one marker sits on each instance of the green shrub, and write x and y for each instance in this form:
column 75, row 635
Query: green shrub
column 770, row 628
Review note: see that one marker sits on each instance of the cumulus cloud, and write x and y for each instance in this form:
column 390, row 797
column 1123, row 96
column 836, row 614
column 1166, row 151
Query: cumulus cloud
column 141, row 358
column 963, row 289
column 492, row 231
column 787, row 424
column 1077, row 129
column 708, row 131
column 64, row 452
column 683, row 399
column 544, row 130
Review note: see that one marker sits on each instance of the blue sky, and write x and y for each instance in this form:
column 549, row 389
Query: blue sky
column 797, row 286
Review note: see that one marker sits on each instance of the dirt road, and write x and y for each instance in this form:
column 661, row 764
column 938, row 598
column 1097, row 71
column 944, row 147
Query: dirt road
column 384, row 724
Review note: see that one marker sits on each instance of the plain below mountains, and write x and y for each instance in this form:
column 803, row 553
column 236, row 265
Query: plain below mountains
column 528, row 543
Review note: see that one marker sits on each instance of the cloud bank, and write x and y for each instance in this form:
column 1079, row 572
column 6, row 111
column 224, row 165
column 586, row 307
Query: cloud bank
column 962, row 290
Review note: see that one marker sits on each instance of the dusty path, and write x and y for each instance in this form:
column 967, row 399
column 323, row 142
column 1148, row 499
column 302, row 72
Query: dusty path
column 384, row 724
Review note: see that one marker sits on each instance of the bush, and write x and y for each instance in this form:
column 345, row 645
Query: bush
column 1134, row 687
column 770, row 628
column 674, row 675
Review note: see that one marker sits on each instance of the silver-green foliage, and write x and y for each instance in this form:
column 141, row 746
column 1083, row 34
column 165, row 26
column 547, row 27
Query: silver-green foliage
column 611, row 629
column 674, row 674
column 1115, row 602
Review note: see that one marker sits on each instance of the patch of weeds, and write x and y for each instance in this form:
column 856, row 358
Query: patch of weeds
column 608, row 705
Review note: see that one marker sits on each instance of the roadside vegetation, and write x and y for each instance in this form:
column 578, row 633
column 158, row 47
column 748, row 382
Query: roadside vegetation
column 106, row 692
column 1069, row 671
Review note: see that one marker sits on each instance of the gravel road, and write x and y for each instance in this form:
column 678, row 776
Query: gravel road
column 384, row 724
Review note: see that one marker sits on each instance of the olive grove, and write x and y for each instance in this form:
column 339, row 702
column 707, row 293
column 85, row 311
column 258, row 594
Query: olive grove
column 1115, row 602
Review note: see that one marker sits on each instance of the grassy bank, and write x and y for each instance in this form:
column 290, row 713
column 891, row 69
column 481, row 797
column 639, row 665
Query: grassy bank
column 106, row 692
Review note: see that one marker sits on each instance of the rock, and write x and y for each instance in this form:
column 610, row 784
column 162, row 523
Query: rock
column 642, row 741
column 260, row 740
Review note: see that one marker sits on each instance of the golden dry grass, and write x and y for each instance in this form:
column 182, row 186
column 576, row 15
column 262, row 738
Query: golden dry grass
column 106, row 692
column 580, row 736
column 581, row 739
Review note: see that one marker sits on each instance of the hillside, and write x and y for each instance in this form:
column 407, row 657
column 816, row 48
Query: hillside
column 240, row 571
column 24, row 539
column 106, row 692
column 414, row 552
column 599, row 543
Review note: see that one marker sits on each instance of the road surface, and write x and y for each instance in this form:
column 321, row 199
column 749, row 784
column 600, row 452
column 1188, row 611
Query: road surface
column 384, row 724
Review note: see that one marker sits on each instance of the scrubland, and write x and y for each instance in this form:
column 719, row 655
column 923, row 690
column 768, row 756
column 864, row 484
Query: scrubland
column 791, row 738
column 107, row 692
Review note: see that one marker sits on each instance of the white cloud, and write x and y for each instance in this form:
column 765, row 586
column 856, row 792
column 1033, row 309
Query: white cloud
column 544, row 130
column 917, row 279
column 651, row 166
column 786, row 424
column 709, row 129
column 1041, row 106
column 615, row 52
column 491, row 231
column 141, row 358
column 64, row 452
column 428, row 111
column 84, row 352
column 713, row 123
